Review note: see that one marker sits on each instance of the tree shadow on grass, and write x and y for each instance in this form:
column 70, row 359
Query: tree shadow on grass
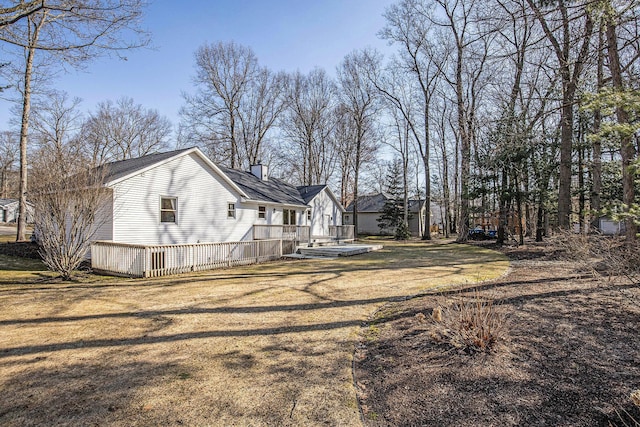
column 82, row 393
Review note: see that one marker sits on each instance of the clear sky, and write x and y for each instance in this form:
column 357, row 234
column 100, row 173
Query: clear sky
column 286, row 35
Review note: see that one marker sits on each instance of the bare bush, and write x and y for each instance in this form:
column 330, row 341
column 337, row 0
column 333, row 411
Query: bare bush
column 67, row 200
column 609, row 256
column 471, row 323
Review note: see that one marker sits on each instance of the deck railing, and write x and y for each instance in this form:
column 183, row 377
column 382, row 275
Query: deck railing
column 160, row 260
column 298, row 233
column 342, row 232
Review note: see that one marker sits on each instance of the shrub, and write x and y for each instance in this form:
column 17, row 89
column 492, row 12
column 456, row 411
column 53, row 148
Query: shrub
column 402, row 231
column 610, row 256
column 472, row 324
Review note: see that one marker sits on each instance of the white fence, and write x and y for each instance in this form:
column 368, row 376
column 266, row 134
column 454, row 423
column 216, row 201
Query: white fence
column 161, row 260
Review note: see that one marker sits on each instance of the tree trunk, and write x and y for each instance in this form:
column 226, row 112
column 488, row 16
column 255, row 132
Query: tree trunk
column 627, row 149
column 596, row 164
column 21, row 234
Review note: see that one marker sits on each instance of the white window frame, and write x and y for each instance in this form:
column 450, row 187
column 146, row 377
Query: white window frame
column 174, row 210
column 231, row 210
column 262, row 212
column 286, row 216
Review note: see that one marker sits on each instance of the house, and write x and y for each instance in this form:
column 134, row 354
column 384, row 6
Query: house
column 9, row 210
column 610, row 227
column 181, row 197
column 370, row 207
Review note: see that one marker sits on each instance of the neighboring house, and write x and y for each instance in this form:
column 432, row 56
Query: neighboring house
column 9, row 210
column 370, row 207
column 610, row 227
column 183, row 197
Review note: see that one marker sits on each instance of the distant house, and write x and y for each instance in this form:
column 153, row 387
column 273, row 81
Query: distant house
column 610, row 227
column 370, row 207
column 183, row 197
column 9, row 210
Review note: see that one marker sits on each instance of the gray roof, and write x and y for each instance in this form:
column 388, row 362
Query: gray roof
column 308, row 192
column 5, row 202
column 119, row 169
column 271, row 191
column 375, row 203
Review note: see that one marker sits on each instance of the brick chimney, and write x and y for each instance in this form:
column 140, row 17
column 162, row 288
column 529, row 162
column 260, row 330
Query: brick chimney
column 261, row 171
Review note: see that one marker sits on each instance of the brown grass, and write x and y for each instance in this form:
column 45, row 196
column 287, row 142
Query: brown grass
column 270, row 344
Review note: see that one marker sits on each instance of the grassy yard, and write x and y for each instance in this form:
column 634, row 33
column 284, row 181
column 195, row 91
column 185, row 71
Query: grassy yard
column 270, row 344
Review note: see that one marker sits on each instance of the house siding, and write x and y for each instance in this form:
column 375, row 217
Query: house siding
column 104, row 219
column 324, row 212
column 202, row 199
column 367, row 223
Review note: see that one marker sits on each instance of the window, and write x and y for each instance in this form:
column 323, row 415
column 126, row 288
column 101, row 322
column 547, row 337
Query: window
column 288, row 217
column 231, row 210
column 262, row 212
column 168, row 209
column 309, row 215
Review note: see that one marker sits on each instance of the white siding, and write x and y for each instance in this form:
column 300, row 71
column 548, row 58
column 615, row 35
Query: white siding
column 104, row 219
column 324, row 212
column 202, row 198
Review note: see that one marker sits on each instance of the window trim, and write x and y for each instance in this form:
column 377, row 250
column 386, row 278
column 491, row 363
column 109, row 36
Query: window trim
column 231, row 210
column 174, row 210
column 286, row 216
column 262, row 212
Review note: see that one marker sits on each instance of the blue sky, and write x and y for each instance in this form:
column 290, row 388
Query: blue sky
column 286, row 35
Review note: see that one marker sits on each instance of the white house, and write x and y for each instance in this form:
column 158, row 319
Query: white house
column 182, row 197
column 9, row 210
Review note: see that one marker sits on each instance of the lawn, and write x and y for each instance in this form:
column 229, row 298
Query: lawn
column 270, row 344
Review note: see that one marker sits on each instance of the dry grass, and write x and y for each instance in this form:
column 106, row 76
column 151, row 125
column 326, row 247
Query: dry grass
column 270, row 344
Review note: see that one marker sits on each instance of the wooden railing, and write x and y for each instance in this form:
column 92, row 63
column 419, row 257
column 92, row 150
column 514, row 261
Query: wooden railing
column 342, row 232
column 160, row 260
column 298, row 233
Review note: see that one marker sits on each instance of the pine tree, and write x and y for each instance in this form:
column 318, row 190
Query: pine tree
column 392, row 216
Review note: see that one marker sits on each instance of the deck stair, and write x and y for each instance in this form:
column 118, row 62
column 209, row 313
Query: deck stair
column 334, row 251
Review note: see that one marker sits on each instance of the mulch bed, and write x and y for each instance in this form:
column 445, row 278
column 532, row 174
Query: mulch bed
column 569, row 354
column 20, row 249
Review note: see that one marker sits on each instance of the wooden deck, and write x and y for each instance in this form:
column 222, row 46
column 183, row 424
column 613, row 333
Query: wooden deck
column 335, row 251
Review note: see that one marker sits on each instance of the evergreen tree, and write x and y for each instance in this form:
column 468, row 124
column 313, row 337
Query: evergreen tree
column 393, row 212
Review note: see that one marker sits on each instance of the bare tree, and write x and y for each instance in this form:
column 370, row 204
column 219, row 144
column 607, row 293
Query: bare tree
column 359, row 96
column 56, row 122
column 72, row 32
column 410, row 25
column 308, row 125
column 259, row 111
column 236, row 104
column 470, row 48
column 569, row 29
column 9, row 148
column 344, row 142
column 123, row 130
column 11, row 15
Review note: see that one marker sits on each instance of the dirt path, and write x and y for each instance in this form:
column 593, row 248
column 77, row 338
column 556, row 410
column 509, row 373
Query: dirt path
column 262, row 345
column 569, row 354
